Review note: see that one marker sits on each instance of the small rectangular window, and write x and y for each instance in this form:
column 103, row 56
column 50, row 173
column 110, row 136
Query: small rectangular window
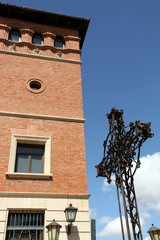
column 37, row 39
column 14, row 35
column 29, row 158
column 59, row 42
column 25, row 225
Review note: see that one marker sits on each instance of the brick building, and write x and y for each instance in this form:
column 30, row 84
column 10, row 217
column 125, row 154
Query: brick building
column 42, row 148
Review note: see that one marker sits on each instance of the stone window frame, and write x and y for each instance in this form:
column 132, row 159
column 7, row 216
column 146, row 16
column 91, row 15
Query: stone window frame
column 38, row 140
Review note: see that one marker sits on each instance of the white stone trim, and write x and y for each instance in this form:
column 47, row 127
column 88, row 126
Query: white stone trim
column 44, row 195
column 35, row 140
column 29, row 175
column 54, row 209
column 44, row 117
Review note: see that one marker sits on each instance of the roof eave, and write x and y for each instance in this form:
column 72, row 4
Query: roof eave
column 46, row 18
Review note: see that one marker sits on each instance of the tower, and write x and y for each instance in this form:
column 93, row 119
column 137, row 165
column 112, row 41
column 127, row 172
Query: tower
column 42, row 149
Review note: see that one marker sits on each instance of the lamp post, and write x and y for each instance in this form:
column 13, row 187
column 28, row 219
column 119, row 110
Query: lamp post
column 53, row 230
column 70, row 213
column 154, row 233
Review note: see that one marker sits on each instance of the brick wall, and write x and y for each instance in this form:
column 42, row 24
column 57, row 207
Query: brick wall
column 62, row 97
column 67, row 155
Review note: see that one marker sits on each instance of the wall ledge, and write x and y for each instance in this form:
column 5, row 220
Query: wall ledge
column 43, row 117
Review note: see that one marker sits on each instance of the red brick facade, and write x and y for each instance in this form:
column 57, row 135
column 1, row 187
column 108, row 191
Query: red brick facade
column 56, row 112
column 68, row 155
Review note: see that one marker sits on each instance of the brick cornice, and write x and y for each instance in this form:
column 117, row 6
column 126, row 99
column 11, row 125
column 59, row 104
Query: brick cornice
column 41, row 47
column 46, row 18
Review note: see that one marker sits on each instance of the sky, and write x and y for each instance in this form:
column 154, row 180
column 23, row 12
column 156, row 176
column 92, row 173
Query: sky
column 121, row 69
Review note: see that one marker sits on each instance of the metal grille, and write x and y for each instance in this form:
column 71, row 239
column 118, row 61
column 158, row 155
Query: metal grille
column 25, row 226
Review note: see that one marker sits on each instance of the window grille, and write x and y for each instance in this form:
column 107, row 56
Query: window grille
column 25, row 226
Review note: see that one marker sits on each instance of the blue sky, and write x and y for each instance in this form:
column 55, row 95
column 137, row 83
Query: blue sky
column 121, row 69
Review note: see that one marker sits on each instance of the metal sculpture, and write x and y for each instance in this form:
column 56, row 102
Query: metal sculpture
column 120, row 149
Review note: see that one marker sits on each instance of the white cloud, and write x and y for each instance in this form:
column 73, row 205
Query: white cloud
column 106, row 187
column 104, row 220
column 147, row 238
column 108, row 229
column 147, row 179
column 113, row 229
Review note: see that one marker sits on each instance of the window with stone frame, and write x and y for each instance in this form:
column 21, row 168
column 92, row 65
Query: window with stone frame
column 30, row 156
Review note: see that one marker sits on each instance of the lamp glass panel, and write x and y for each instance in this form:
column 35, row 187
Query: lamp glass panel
column 57, row 235
column 53, row 233
column 71, row 215
column 49, row 233
column 156, row 237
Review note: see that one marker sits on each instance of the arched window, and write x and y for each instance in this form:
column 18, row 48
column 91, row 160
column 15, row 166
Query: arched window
column 14, row 35
column 59, row 42
column 37, row 39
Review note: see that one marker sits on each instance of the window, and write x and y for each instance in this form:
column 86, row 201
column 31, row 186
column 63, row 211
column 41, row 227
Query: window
column 14, row 35
column 35, row 85
column 30, row 156
column 25, row 225
column 59, row 42
column 37, row 39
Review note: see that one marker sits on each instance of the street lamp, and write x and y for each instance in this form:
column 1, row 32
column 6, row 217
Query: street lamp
column 70, row 213
column 53, row 230
column 154, row 233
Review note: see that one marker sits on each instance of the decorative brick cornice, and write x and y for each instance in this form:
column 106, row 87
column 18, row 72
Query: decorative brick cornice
column 5, row 27
column 49, row 34
column 26, row 30
column 72, row 38
column 47, row 18
column 41, row 56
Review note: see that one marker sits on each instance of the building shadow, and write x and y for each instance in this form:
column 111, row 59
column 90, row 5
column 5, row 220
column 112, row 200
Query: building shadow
column 74, row 235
